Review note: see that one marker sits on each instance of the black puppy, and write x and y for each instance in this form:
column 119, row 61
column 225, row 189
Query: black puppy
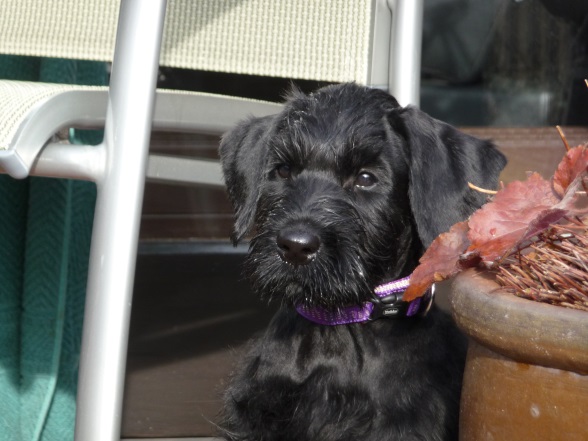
column 342, row 191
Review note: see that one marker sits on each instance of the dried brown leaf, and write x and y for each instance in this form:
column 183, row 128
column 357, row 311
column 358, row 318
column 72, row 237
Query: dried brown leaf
column 440, row 261
column 574, row 163
column 517, row 212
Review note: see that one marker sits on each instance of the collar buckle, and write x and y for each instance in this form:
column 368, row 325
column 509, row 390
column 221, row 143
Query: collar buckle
column 392, row 305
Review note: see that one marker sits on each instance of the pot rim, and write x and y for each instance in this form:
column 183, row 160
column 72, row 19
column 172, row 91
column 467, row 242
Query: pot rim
column 524, row 330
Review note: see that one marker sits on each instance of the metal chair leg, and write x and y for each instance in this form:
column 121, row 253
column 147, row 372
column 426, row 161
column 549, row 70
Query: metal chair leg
column 116, row 222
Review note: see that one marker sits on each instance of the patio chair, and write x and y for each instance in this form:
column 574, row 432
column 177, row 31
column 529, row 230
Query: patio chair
column 372, row 42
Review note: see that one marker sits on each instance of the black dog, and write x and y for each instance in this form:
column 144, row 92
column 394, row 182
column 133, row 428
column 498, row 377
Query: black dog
column 343, row 190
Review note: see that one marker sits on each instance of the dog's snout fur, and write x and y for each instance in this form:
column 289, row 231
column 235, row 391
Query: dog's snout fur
column 308, row 204
column 340, row 192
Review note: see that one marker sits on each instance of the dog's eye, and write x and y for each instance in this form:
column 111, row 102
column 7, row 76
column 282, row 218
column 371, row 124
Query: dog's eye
column 365, row 179
column 284, row 171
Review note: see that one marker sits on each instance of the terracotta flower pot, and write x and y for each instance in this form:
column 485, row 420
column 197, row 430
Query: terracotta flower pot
column 526, row 375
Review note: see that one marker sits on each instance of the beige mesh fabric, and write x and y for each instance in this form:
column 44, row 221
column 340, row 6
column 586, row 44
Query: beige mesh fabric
column 78, row 29
column 309, row 39
column 18, row 98
column 325, row 40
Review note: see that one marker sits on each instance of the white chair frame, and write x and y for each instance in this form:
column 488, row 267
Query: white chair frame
column 128, row 110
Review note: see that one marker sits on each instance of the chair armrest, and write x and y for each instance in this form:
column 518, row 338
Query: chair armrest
column 32, row 113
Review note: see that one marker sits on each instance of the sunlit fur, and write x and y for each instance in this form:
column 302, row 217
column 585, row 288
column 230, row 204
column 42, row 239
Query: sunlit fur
column 382, row 380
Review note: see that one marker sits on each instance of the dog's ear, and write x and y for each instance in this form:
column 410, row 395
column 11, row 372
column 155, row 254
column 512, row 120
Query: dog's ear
column 243, row 154
column 442, row 160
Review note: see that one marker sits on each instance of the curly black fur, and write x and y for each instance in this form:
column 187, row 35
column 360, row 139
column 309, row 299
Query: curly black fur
column 373, row 183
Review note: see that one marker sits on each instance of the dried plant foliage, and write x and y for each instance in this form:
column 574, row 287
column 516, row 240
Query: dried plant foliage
column 552, row 269
column 525, row 227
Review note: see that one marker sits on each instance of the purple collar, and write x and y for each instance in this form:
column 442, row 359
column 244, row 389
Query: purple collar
column 387, row 303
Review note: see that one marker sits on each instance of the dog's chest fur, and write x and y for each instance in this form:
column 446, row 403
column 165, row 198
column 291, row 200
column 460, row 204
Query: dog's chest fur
column 303, row 381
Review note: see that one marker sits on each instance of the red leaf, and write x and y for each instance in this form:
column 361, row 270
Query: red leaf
column 520, row 209
column 518, row 213
column 573, row 163
column 574, row 200
column 440, row 261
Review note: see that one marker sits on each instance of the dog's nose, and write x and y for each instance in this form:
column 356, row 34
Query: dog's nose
column 298, row 247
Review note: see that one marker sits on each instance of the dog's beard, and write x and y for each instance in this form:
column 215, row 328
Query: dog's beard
column 335, row 278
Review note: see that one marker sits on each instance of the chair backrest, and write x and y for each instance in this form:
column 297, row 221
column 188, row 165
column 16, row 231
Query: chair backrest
column 325, row 40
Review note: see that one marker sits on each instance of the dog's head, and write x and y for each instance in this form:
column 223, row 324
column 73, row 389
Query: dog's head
column 344, row 188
